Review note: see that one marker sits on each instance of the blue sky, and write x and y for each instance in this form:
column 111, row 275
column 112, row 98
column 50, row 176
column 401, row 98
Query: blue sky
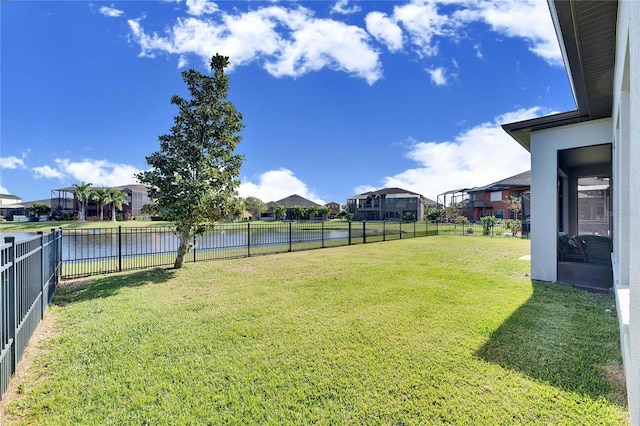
column 338, row 97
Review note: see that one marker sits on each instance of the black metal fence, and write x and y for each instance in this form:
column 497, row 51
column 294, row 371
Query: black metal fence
column 95, row 251
column 499, row 229
column 29, row 274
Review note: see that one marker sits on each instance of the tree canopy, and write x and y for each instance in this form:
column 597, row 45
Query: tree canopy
column 194, row 176
column 255, row 206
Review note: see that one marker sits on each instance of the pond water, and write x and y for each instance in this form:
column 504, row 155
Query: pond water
column 106, row 243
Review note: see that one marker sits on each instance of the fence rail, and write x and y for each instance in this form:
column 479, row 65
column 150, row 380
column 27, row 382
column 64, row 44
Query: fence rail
column 95, row 251
column 29, row 273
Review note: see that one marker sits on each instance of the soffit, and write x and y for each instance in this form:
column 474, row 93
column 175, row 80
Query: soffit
column 587, row 33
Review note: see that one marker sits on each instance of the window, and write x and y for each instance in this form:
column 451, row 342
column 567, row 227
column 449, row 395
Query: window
column 593, row 205
column 496, row 196
column 499, row 214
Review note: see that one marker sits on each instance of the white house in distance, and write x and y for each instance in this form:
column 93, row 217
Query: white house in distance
column 599, row 143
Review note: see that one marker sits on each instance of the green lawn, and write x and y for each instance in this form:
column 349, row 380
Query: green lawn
column 420, row 331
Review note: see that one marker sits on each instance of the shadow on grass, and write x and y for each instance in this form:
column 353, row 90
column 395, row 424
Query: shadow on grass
column 108, row 285
column 565, row 337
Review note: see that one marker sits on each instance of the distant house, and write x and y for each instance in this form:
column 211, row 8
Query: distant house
column 387, row 204
column 489, row 200
column 63, row 201
column 10, row 206
column 334, row 208
column 289, row 203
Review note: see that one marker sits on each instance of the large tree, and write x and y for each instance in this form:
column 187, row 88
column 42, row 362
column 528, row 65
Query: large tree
column 193, row 178
column 255, row 206
column 81, row 193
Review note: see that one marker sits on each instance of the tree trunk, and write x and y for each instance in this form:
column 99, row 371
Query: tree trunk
column 113, row 213
column 182, row 251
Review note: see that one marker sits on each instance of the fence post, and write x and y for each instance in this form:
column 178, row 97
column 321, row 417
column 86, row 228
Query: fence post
column 322, row 233
column 12, row 305
column 349, row 232
column 364, row 232
column 400, row 232
column 290, row 236
column 59, row 256
column 119, row 248
column 195, row 248
column 248, row 239
column 43, row 301
column 414, row 229
column 384, row 230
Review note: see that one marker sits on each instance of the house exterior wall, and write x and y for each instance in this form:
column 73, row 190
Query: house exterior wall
column 626, row 195
column 545, row 145
column 386, row 207
column 490, row 208
column 6, row 199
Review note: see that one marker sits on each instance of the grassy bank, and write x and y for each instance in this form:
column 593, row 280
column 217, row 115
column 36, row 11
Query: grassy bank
column 419, row 331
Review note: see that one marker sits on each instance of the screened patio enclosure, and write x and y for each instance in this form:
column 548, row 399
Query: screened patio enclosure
column 584, row 217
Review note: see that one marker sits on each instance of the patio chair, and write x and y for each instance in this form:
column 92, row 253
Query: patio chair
column 597, row 249
column 570, row 249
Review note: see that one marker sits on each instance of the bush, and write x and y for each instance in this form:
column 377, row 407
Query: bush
column 488, row 222
column 512, row 225
column 119, row 217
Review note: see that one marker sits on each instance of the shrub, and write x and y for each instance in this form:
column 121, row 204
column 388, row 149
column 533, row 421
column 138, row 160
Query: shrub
column 512, row 225
column 488, row 222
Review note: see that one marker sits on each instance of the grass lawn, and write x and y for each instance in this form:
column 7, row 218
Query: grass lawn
column 420, row 331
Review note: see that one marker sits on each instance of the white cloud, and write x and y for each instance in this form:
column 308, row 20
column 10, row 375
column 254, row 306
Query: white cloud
column 110, row 12
column 287, row 39
column 364, row 188
column 342, row 6
column 48, row 172
column 385, row 30
column 527, row 19
column 438, row 76
column 423, row 22
column 476, row 157
column 11, row 163
column 303, row 43
column 201, row 7
column 275, row 185
column 478, row 50
column 97, row 172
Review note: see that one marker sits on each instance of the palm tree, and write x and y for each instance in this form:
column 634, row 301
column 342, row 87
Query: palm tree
column 82, row 193
column 118, row 199
column 102, row 196
column 298, row 212
column 280, row 212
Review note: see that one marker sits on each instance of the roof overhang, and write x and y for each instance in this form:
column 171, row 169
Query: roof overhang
column 587, row 35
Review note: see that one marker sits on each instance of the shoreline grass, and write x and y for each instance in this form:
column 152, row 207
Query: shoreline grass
column 418, row 331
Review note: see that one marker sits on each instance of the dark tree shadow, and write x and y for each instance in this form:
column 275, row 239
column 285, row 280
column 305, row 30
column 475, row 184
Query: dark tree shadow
column 565, row 337
column 108, row 285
